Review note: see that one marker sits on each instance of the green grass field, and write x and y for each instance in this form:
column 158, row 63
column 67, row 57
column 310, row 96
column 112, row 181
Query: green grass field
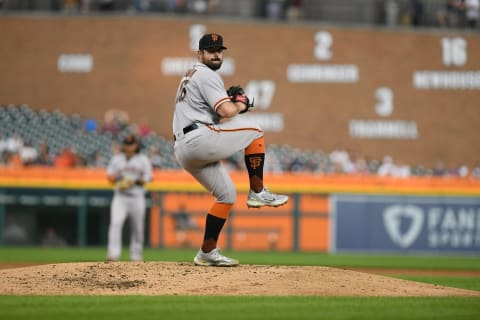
column 454, row 262
column 251, row 307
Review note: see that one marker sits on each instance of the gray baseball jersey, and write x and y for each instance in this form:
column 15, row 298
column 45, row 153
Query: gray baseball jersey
column 200, row 93
column 200, row 151
column 130, row 202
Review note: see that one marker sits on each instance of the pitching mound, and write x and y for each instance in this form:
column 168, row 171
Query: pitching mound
column 174, row 278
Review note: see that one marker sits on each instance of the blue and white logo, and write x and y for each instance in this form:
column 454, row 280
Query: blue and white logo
column 397, row 223
column 401, row 233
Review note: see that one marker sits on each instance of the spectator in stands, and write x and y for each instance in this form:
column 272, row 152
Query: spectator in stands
column 416, row 11
column 387, row 168
column 98, row 161
column 3, row 149
column 115, row 120
column 28, row 154
column 272, row 163
column 476, row 171
column 66, row 159
column 275, row 9
column 176, row 6
column 213, row 6
column 402, row 170
column 391, row 169
column 472, row 12
column 90, row 125
column 85, row 6
column 144, row 128
column 439, row 169
column 70, row 6
column 294, row 10
column 3, row 143
column 196, row 6
column 155, row 156
column 449, row 15
column 419, row 170
column 360, row 165
column 116, row 148
column 14, row 160
column 297, row 162
column 141, row 5
column 14, row 143
column 106, row 5
column 44, row 157
column 341, row 161
column 463, row 171
column 403, row 12
column 391, row 9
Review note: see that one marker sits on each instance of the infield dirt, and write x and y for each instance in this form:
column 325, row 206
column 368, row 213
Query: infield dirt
column 181, row 278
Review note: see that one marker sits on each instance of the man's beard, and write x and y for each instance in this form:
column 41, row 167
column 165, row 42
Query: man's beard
column 212, row 64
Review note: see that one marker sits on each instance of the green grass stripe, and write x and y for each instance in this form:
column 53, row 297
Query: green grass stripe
column 75, row 254
column 251, row 308
column 362, row 260
column 470, row 283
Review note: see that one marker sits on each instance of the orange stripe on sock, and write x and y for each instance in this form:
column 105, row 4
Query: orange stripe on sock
column 257, row 146
column 220, row 210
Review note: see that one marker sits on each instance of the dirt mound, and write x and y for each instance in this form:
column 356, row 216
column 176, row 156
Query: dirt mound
column 180, row 278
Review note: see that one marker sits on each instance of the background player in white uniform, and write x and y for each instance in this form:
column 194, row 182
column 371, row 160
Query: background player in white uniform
column 128, row 171
column 207, row 130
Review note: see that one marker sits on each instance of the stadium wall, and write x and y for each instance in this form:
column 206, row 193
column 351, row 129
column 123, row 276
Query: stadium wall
column 388, row 214
column 409, row 94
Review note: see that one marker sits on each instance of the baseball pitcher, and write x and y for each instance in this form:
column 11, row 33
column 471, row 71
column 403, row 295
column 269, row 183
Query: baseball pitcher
column 206, row 130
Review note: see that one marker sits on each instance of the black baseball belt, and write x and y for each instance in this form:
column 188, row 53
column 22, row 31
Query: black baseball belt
column 187, row 129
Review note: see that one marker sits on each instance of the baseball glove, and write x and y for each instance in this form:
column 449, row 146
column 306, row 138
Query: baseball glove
column 236, row 93
column 124, row 183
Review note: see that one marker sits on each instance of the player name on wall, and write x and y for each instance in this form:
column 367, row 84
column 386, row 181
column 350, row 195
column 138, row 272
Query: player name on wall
column 75, row 63
column 322, row 73
column 394, row 129
column 446, row 80
column 177, row 66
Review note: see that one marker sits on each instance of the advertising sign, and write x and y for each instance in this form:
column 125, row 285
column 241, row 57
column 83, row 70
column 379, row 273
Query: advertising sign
column 405, row 223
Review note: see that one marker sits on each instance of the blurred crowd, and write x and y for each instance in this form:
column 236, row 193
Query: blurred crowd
column 274, row 9
column 459, row 13
column 453, row 13
column 43, row 138
column 289, row 159
column 29, row 137
column 439, row 13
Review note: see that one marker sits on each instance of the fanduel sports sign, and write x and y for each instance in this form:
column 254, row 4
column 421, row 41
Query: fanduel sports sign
column 405, row 223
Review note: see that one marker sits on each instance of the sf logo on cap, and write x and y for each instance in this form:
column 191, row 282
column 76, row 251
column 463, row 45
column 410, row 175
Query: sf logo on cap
column 214, row 37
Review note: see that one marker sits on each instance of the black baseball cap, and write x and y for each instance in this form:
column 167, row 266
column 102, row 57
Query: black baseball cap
column 130, row 139
column 211, row 40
